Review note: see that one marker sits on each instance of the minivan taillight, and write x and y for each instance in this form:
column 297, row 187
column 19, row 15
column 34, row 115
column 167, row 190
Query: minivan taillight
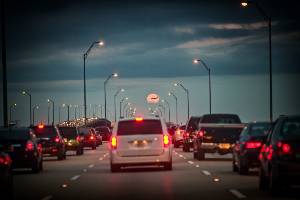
column 78, row 138
column 56, row 139
column 166, row 140
column 284, row 148
column 29, row 146
column 113, row 142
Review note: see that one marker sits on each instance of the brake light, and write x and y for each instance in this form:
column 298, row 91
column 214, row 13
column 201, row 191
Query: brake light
column 253, row 145
column 284, row 148
column 92, row 138
column 41, row 126
column 139, row 119
column 200, row 133
column 186, row 135
column 40, row 148
column 113, row 142
column 29, row 146
column 5, row 160
column 78, row 139
column 166, row 140
column 57, row 139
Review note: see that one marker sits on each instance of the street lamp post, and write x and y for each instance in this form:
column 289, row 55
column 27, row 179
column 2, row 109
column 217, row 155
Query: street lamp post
column 124, row 107
column 10, row 111
column 196, row 61
column 115, row 106
column 85, row 55
column 33, row 113
column 176, row 105
column 187, row 96
column 125, row 98
column 52, row 102
column 165, row 101
column 163, row 107
column 266, row 17
column 105, row 82
column 30, row 114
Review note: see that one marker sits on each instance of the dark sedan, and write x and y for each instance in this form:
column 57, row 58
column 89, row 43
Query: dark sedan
column 247, row 148
column 27, row 152
column 280, row 156
column 6, row 177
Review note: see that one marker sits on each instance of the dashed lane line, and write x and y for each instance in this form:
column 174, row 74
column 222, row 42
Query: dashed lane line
column 91, row 165
column 191, row 162
column 197, row 166
column 75, row 177
column 205, row 172
column 237, row 194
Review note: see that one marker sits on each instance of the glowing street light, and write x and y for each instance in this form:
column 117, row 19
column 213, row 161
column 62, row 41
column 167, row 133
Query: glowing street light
column 30, row 114
column 115, row 75
column 85, row 55
column 115, row 97
column 266, row 17
column 176, row 105
column 196, row 61
column 187, row 96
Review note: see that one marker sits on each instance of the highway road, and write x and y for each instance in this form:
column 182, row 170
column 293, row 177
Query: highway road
column 89, row 177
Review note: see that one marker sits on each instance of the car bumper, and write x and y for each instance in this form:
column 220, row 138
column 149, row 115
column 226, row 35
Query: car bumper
column 289, row 171
column 165, row 157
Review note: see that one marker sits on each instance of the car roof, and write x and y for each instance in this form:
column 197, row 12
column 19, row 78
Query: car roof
column 147, row 118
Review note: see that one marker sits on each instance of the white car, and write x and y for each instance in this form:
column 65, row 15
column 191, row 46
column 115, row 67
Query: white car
column 138, row 142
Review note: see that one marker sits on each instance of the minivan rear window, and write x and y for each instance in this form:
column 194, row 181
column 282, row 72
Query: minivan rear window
column 291, row 128
column 144, row 127
column 46, row 131
column 68, row 132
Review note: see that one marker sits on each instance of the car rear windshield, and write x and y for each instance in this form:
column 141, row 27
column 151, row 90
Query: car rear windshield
column 68, row 132
column 260, row 129
column 291, row 128
column 221, row 119
column 14, row 134
column 139, row 128
column 45, row 132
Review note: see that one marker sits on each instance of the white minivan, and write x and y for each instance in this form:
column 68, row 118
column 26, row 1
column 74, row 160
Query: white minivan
column 138, row 142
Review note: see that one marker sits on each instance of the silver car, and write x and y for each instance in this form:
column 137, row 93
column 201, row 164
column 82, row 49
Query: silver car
column 138, row 142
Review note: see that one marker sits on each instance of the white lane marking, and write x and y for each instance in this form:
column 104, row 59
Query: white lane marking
column 180, row 155
column 184, row 157
column 197, row 166
column 191, row 162
column 47, row 197
column 84, row 170
column 205, row 172
column 237, row 194
column 74, row 177
column 91, row 166
column 100, row 158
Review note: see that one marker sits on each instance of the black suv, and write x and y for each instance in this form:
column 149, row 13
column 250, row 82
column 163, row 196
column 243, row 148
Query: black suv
column 280, row 156
column 26, row 152
column 190, row 131
column 247, row 148
column 6, row 177
column 52, row 142
column 72, row 139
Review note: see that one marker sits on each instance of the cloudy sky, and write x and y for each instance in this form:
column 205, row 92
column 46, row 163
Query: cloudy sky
column 151, row 44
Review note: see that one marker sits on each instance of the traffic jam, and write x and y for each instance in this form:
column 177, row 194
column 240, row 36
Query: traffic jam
column 163, row 124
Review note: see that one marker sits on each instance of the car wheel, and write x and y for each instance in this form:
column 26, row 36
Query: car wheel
column 183, row 147
column 61, row 155
column 234, row 167
column 263, row 180
column 114, row 167
column 78, row 151
column 94, row 147
column 195, row 154
column 200, row 154
column 41, row 165
column 35, row 166
column 275, row 184
column 81, row 151
column 168, row 166
column 243, row 168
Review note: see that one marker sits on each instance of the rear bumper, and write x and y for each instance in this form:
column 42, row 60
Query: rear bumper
column 165, row 157
column 251, row 159
column 215, row 148
column 89, row 143
column 289, row 171
column 24, row 160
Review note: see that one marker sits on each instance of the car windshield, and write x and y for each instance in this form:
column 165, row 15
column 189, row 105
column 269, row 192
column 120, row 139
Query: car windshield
column 291, row 128
column 193, row 123
column 260, row 129
column 11, row 134
column 133, row 127
column 221, row 119
column 68, row 132
column 46, row 131
column 84, row 131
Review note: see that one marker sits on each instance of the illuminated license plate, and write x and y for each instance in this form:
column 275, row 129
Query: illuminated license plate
column 224, row 146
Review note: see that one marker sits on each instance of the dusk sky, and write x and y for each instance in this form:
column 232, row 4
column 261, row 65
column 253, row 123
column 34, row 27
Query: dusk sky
column 151, row 44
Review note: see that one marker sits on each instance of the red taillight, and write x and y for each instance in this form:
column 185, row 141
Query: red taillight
column 5, row 160
column 200, row 133
column 284, row 148
column 166, row 140
column 78, row 139
column 57, row 139
column 113, row 142
column 139, row 119
column 40, row 148
column 253, row 145
column 29, row 146
column 92, row 137
column 186, row 135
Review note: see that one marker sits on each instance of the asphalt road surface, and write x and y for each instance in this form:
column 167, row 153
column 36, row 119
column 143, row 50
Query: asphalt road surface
column 89, row 177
